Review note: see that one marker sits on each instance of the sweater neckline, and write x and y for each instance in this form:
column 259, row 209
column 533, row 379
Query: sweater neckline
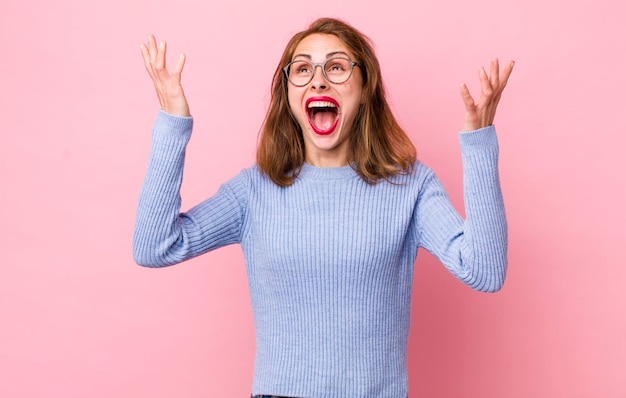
column 326, row 173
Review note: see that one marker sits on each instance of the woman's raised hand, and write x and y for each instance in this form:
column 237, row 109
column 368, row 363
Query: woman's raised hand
column 167, row 85
column 481, row 114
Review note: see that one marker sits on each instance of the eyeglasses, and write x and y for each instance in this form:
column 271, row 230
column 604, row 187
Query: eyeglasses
column 336, row 70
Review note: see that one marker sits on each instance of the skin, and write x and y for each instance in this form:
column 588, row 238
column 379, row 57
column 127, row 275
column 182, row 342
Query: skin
column 326, row 150
column 167, row 85
column 331, row 150
column 482, row 113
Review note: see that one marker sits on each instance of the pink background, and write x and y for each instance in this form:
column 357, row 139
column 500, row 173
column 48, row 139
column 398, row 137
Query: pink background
column 80, row 319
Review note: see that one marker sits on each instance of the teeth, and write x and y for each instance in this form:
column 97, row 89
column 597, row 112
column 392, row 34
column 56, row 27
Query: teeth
column 321, row 104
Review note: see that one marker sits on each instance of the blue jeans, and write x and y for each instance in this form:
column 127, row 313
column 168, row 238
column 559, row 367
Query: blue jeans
column 267, row 396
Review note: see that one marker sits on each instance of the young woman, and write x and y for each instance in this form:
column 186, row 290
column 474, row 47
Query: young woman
column 331, row 216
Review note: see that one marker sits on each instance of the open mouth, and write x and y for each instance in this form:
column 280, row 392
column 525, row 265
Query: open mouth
column 323, row 114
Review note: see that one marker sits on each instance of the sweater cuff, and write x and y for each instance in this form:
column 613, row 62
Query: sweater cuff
column 485, row 136
column 172, row 125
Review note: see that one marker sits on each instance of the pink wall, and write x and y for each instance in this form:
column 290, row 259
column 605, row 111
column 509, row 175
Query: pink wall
column 79, row 319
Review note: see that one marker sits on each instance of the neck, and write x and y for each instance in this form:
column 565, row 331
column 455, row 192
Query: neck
column 324, row 159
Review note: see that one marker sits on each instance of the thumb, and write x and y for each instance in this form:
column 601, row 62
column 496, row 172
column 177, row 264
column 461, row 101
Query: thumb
column 180, row 64
column 467, row 98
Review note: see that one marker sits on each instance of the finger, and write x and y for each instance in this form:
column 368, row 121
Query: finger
column 160, row 56
column 494, row 73
column 146, row 56
column 471, row 121
column 152, row 50
column 506, row 72
column 180, row 64
column 485, row 84
column 470, row 106
column 504, row 77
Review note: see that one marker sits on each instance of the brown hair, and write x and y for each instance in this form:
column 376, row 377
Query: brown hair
column 379, row 148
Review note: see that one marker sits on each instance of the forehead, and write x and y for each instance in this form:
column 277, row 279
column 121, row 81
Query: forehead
column 319, row 46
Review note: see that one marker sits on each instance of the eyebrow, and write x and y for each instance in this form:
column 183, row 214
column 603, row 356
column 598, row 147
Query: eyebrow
column 329, row 55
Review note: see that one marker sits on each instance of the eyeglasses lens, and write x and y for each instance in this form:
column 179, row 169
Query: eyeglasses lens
column 336, row 70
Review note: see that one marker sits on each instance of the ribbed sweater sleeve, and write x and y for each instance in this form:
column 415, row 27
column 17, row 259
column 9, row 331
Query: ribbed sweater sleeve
column 474, row 249
column 164, row 236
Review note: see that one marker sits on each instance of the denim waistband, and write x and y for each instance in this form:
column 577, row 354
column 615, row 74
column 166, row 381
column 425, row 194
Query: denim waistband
column 269, row 396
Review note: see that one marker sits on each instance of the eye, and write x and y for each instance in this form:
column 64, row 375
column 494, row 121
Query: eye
column 337, row 66
column 301, row 68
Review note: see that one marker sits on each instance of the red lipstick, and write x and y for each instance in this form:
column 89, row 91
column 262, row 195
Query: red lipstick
column 323, row 114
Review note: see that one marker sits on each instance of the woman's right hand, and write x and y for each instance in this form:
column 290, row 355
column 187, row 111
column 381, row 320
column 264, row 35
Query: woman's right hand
column 167, row 85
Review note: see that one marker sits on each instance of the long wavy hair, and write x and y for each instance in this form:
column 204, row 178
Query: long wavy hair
column 379, row 147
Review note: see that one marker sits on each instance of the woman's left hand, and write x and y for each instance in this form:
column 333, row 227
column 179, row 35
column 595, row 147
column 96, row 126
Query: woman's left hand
column 481, row 114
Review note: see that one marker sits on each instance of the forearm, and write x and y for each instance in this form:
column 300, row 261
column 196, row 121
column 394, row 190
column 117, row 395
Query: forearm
column 158, row 237
column 474, row 249
column 484, row 248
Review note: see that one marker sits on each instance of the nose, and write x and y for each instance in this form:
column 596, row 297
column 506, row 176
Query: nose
column 319, row 81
